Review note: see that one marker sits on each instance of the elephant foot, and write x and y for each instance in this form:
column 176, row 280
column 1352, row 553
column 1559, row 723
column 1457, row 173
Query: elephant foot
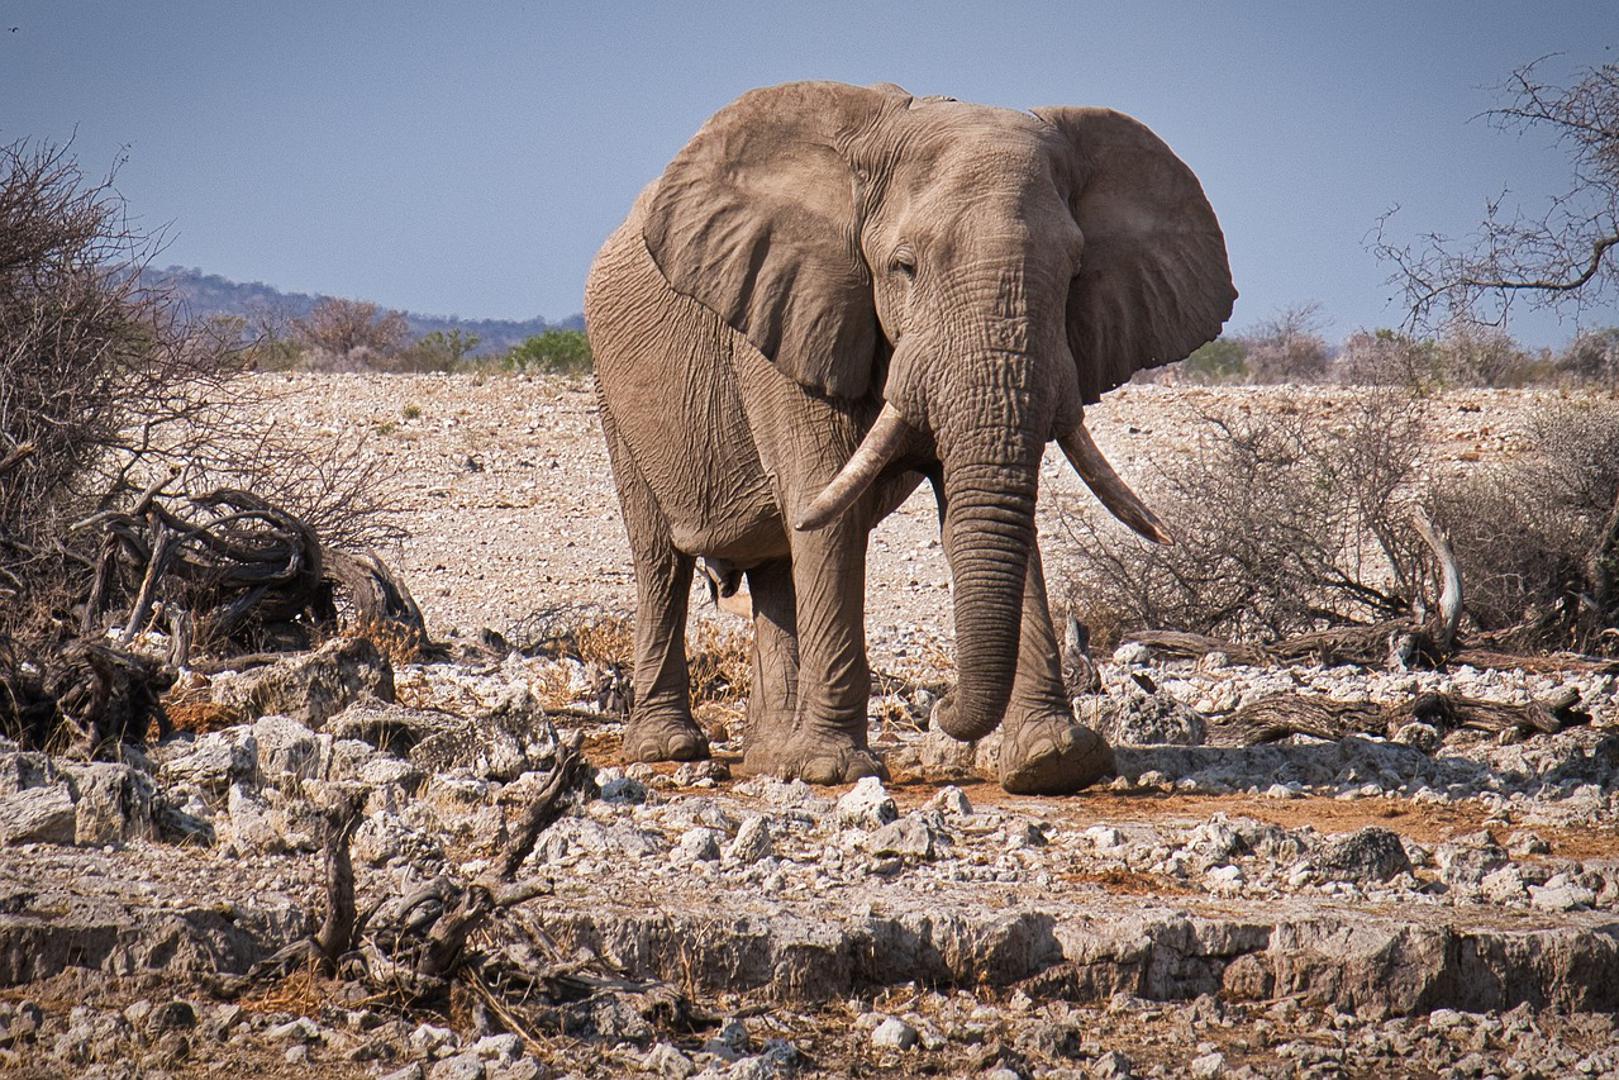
column 822, row 760
column 1052, row 755
column 664, row 738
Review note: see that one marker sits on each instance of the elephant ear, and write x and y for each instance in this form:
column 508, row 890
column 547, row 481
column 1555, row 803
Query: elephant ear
column 1153, row 282
column 756, row 219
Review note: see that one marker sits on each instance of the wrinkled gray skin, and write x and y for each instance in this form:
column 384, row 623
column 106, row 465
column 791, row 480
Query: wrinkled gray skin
column 821, row 253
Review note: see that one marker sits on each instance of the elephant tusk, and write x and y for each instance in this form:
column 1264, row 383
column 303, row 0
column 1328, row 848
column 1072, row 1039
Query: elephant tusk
column 1086, row 458
column 876, row 450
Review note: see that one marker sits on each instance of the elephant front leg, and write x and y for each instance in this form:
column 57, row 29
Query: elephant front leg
column 1044, row 750
column 826, row 742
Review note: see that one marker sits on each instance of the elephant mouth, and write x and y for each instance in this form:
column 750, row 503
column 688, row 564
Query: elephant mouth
column 891, row 433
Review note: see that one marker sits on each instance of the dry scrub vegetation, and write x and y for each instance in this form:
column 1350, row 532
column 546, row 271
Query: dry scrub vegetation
column 1291, row 523
column 141, row 483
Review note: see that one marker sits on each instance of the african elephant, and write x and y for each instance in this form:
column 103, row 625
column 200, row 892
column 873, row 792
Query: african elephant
column 833, row 293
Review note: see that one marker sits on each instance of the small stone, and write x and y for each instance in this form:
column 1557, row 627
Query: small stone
column 894, row 1034
column 42, row 815
column 1025, row 834
column 301, row 1029
column 1370, row 854
column 1282, row 791
column 114, row 803
column 1105, row 837
column 429, row 1037
column 297, row 1054
column 1137, row 717
column 867, row 805
column 909, row 837
column 623, row 789
column 700, row 844
column 752, row 841
column 1132, row 654
column 172, row 1016
column 1419, row 736
column 413, row 1071
column 951, row 800
column 1445, row 1019
column 707, row 772
column 504, row 1047
column 1503, row 886
column 1527, row 843
column 1208, row 1065
column 665, row 1059
column 459, row 1067
column 1564, row 896
column 1111, row 1066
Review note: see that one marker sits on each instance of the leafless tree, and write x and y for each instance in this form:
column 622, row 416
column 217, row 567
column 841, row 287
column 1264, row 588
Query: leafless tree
column 345, row 327
column 1562, row 258
column 1287, row 347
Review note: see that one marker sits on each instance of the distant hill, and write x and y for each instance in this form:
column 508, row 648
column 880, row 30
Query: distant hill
column 206, row 295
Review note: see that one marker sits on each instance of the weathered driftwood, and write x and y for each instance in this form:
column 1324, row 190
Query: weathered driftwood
column 15, row 457
column 1278, row 716
column 104, row 696
column 1274, row 718
column 448, row 933
column 1363, row 646
column 1545, row 716
column 250, row 575
column 566, row 778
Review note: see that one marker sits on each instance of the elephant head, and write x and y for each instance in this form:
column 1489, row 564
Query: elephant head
column 985, row 272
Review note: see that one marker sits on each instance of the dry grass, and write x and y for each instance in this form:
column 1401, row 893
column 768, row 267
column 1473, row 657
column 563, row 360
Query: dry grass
column 201, row 716
column 720, row 664
column 554, row 687
column 302, row 992
column 401, row 644
column 609, row 641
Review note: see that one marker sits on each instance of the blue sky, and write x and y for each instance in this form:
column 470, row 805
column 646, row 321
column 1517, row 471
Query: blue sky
column 469, row 158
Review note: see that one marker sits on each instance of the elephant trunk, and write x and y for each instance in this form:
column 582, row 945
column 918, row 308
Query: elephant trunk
column 990, row 525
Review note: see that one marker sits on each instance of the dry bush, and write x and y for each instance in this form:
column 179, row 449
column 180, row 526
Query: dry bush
column 105, row 388
column 400, row 643
column 1284, row 524
column 1525, row 534
column 1593, row 356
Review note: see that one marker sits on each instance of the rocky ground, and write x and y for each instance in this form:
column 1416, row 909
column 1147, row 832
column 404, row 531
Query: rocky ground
column 1431, row 903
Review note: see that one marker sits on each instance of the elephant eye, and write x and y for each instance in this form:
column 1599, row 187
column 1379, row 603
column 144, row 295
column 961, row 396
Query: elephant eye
column 903, row 262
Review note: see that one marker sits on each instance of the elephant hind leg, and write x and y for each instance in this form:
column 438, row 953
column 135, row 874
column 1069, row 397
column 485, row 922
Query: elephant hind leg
column 774, row 695
column 660, row 726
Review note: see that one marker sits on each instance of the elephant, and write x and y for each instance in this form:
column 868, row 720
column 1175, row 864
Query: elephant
column 832, row 294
